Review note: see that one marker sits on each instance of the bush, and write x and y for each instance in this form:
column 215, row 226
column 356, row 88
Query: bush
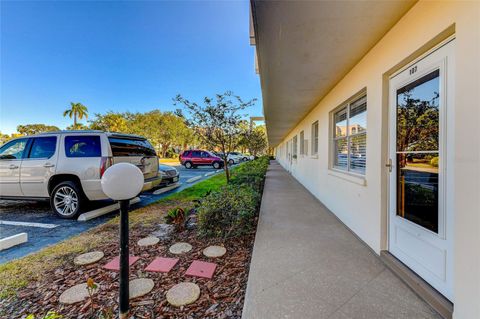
column 434, row 161
column 231, row 211
column 251, row 173
column 228, row 212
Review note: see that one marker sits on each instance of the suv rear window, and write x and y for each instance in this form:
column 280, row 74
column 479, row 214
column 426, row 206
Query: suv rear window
column 131, row 147
column 83, row 146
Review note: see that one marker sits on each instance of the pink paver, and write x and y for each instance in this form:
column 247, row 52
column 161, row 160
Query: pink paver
column 162, row 264
column 201, row 269
column 114, row 264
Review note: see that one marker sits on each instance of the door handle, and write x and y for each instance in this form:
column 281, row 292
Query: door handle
column 13, row 166
column 48, row 165
column 389, row 165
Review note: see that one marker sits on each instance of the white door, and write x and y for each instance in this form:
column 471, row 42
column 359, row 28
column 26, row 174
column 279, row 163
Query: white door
column 421, row 147
column 38, row 166
column 11, row 155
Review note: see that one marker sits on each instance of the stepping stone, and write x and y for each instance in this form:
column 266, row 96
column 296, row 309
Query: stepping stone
column 180, row 248
column 148, row 241
column 114, row 264
column 201, row 269
column 75, row 294
column 214, row 251
column 162, row 264
column 139, row 287
column 183, row 294
column 88, row 258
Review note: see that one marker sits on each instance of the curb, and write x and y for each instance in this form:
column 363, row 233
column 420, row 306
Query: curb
column 166, row 189
column 14, row 240
column 194, row 179
column 102, row 211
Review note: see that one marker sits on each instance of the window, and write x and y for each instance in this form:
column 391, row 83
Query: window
column 295, row 142
column 43, row 147
column 83, row 146
column 302, row 143
column 13, row 150
column 315, row 138
column 131, row 147
column 349, row 142
column 195, row 154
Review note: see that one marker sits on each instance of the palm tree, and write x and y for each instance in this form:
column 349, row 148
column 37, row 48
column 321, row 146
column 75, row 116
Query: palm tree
column 76, row 110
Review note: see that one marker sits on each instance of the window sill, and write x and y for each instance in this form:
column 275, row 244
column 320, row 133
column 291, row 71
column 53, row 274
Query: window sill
column 347, row 176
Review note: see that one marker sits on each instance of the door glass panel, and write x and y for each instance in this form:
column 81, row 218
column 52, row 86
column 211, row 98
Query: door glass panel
column 13, row 150
column 417, row 188
column 418, row 114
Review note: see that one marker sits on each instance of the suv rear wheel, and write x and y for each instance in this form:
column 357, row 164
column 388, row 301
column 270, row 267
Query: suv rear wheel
column 67, row 199
column 216, row 165
column 188, row 165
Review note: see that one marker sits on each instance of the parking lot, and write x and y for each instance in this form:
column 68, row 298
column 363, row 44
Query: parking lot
column 44, row 228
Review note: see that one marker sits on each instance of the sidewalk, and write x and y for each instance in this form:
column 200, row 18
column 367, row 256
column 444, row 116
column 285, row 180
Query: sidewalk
column 307, row 264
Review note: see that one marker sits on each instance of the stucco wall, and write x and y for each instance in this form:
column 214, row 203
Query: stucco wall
column 363, row 207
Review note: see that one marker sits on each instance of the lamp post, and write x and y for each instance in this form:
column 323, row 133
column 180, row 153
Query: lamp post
column 122, row 182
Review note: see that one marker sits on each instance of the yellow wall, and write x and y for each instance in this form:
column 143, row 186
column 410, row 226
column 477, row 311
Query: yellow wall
column 361, row 204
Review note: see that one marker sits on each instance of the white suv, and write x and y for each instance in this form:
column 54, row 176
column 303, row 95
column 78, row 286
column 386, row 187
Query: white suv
column 66, row 166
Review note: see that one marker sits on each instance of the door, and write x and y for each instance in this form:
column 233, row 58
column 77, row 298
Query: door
column 11, row 155
column 38, row 166
column 420, row 217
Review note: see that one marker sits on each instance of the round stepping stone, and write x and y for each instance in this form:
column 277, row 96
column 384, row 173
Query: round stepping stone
column 75, row 294
column 214, row 251
column 148, row 241
column 180, row 248
column 140, row 287
column 88, row 258
column 183, row 294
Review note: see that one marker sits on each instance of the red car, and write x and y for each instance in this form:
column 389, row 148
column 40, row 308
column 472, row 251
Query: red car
column 194, row 158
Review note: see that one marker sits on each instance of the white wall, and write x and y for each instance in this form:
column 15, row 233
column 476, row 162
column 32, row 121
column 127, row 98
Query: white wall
column 359, row 203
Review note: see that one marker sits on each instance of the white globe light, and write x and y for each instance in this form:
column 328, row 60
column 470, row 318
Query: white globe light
column 122, row 181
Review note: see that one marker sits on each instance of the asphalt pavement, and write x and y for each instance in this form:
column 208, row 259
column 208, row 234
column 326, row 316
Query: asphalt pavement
column 44, row 228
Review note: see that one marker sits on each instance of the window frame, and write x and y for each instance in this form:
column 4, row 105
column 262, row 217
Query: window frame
column 348, row 136
column 302, row 143
column 315, row 138
column 24, row 151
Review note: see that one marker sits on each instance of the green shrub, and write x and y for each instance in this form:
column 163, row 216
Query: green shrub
column 434, row 161
column 228, row 212
column 177, row 217
column 251, row 173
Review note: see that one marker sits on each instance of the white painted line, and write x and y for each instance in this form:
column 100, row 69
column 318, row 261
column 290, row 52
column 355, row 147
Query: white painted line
column 194, row 179
column 166, row 189
column 27, row 224
column 14, row 240
column 102, row 211
column 219, row 170
column 209, row 173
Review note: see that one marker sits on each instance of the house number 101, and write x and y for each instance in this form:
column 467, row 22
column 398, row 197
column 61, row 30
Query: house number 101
column 413, row 70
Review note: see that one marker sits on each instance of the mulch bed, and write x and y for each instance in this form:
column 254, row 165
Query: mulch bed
column 220, row 297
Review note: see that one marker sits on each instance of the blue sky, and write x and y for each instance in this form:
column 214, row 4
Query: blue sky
column 120, row 56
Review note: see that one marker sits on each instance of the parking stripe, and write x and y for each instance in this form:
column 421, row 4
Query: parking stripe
column 27, row 224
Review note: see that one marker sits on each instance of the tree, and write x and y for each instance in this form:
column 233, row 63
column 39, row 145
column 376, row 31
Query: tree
column 76, row 110
column 110, row 122
column 31, row 129
column 217, row 122
column 255, row 140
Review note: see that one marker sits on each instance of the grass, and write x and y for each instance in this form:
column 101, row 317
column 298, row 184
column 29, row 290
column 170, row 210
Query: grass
column 18, row 273
column 169, row 161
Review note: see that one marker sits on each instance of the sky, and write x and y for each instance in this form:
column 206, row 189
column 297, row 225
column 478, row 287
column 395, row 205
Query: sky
column 120, row 56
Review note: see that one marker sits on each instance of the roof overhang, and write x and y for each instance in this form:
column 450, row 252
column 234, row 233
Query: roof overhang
column 304, row 48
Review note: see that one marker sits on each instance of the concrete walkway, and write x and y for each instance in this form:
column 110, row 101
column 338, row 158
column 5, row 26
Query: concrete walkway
column 307, row 264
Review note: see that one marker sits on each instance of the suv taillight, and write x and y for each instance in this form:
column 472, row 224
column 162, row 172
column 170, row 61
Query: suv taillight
column 105, row 163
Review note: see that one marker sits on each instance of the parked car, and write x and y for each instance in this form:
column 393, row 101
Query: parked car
column 241, row 157
column 231, row 158
column 66, row 166
column 170, row 174
column 195, row 158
